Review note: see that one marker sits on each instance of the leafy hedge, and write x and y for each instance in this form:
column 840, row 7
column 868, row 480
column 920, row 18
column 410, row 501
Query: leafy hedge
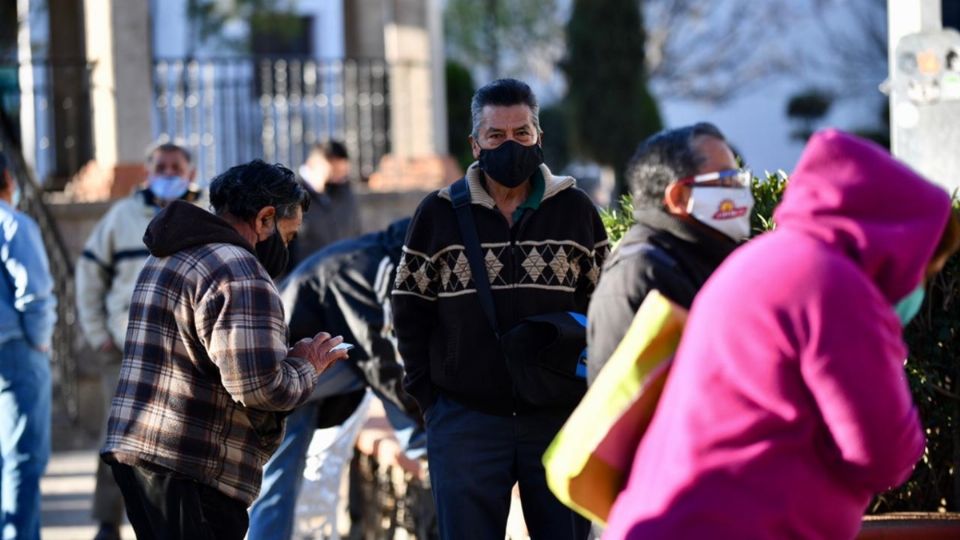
column 932, row 369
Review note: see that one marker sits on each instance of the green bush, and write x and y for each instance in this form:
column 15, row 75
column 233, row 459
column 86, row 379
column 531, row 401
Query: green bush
column 459, row 124
column 932, row 369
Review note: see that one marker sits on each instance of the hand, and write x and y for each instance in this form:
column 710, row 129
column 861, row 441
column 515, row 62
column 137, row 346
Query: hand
column 317, row 351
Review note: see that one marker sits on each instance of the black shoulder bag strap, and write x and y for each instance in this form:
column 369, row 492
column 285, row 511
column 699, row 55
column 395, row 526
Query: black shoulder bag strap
column 460, row 196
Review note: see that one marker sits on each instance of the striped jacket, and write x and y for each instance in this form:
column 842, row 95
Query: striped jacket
column 205, row 368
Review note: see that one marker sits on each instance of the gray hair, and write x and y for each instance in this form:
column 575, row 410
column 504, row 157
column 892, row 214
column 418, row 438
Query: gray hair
column 504, row 93
column 165, row 148
column 663, row 158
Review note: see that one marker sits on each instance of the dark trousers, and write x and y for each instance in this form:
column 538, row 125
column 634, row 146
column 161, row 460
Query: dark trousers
column 475, row 459
column 167, row 506
column 107, row 499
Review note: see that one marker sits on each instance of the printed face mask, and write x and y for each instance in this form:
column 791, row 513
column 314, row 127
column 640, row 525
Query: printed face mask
column 168, row 188
column 726, row 209
column 908, row 308
column 511, row 163
column 273, row 254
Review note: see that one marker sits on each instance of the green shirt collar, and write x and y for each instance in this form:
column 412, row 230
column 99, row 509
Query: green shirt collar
column 537, row 188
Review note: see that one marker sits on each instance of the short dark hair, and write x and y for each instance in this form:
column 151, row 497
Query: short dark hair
column 243, row 190
column 330, row 150
column 663, row 158
column 504, row 93
column 169, row 147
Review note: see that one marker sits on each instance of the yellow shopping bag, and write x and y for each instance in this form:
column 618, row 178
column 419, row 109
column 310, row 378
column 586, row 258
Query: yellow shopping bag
column 589, row 461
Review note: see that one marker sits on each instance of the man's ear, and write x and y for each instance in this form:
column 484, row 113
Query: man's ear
column 265, row 222
column 474, row 147
column 675, row 198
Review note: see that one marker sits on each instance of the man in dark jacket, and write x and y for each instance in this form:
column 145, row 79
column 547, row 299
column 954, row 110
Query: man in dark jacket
column 207, row 373
column 344, row 290
column 542, row 244
column 336, row 214
column 693, row 207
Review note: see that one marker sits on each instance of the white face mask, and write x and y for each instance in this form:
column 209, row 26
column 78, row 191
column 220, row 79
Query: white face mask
column 726, row 209
column 168, row 188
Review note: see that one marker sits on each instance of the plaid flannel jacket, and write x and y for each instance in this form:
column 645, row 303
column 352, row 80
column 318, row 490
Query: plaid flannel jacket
column 205, row 370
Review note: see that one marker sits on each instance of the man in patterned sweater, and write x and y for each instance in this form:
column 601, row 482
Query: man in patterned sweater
column 543, row 244
column 206, row 372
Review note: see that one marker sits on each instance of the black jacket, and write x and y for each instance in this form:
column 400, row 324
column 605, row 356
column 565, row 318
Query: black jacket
column 344, row 290
column 548, row 261
column 334, row 215
column 659, row 252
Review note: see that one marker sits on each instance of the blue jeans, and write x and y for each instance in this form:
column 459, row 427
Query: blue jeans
column 24, row 436
column 271, row 515
column 475, row 460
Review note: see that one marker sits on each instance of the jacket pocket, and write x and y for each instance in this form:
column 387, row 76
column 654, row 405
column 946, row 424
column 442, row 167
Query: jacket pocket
column 268, row 426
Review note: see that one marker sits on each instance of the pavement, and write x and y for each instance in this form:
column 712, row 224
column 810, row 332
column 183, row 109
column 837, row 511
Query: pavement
column 67, row 496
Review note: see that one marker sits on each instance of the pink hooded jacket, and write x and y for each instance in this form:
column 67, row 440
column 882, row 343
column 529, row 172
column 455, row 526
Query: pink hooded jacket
column 788, row 406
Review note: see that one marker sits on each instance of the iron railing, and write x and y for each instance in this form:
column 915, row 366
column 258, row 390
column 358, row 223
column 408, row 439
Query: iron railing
column 231, row 110
column 47, row 104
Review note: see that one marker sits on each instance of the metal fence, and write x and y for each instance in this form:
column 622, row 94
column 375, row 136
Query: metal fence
column 47, row 107
column 231, row 110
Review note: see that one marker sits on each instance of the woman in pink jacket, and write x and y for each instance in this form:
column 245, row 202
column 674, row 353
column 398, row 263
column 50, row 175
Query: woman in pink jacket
column 788, row 408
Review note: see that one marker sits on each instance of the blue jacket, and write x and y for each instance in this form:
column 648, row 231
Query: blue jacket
column 27, row 304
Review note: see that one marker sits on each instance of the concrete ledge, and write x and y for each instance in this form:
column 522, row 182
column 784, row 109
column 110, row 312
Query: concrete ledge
column 911, row 525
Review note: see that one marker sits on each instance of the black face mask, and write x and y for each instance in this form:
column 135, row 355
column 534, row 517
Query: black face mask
column 511, row 163
column 272, row 254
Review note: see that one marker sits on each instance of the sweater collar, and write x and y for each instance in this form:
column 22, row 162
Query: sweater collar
column 478, row 195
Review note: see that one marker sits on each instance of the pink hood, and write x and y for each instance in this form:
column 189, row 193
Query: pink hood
column 851, row 194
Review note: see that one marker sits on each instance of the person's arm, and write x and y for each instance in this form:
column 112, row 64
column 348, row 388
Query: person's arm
column 94, row 274
column 241, row 326
column 853, row 366
column 25, row 263
column 383, row 369
column 415, row 307
column 635, row 270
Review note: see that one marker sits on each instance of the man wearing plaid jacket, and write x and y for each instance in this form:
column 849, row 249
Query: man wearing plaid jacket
column 206, row 373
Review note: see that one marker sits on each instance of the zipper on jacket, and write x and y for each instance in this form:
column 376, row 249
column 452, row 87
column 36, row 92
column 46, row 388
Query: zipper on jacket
column 515, row 290
column 513, row 277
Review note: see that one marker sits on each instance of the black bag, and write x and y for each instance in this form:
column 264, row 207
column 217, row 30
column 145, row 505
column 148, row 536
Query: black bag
column 546, row 354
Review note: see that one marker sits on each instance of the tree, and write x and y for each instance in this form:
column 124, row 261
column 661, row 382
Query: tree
column 851, row 61
column 611, row 111
column 505, row 37
column 808, row 108
column 713, row 51
column 459, row 123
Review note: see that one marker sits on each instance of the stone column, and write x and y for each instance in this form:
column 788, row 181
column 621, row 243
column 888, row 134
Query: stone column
column 118, row 44
column 410, row 39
